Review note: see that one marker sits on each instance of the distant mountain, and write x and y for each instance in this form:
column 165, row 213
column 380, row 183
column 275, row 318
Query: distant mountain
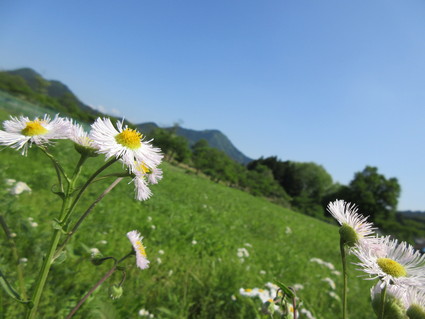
column 215, row 139
column 25, row 83
column 28, row 84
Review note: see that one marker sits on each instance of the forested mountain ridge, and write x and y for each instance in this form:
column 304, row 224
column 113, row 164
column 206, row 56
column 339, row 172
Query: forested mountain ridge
column 30, row 85
column 215, row 139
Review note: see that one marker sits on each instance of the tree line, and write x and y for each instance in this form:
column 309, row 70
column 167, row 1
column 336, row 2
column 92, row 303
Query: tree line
column 305, row 187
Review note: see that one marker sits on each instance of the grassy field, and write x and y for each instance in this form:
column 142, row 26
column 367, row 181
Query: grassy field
column 192, row 229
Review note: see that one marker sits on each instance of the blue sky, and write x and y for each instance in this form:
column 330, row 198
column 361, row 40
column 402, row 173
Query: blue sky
column 339, row 83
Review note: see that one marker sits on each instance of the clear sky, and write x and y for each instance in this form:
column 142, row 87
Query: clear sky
column 339, row 83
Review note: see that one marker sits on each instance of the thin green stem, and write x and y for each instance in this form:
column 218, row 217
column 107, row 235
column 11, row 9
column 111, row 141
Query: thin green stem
column 87, row 212
column 345, row 278
column 58, row 168
column 383, row 297
column 48, row 259
column 83, row 189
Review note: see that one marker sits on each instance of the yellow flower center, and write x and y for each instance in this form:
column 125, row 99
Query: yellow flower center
column 391, row 267
column 142, row 168
column 140, row 248
column 34, row 128
column 129, row 138
column 248, row 289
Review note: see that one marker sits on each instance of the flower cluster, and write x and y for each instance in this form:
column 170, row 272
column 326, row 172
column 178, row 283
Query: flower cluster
column 124, row 144
column 398, row 266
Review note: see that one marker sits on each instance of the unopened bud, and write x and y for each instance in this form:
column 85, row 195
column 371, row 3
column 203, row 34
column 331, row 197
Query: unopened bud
column 115, row 291
column 415, row 311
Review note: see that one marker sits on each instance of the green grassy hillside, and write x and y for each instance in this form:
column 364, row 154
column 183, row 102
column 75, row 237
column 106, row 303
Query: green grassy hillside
column 193, row 229
column 199, row 280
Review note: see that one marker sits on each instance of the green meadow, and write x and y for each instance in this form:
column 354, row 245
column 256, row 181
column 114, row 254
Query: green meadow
column 192, row 230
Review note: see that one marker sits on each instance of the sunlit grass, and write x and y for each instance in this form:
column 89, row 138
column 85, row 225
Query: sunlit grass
column 191, row 280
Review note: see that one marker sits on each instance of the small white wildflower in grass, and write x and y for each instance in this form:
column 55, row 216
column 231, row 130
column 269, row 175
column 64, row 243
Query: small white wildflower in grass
column 19, row 188
column 233, row 297
column 394, row 263
column 297, row 287
column 288, row 230
column 33, row 224
column 336, row 273
column 103, row 242
column 10, row 182
column 149, row 218
column 323, row 263
column 21, row 133
column 13, row 235
column 136, row 241
column 94, row 251
column 334, row 295
column 23, row 260
column 30, row 219
column 144, row 313
column 330, row 282
column 263, row 272
column 159, row 260
column 242, row 252
column 153, row 227
column 307, row 313
column 194, row 242
column 248, row 245
column 354, row 227
column 170, row 273
column 161, row 252
column 124, row 143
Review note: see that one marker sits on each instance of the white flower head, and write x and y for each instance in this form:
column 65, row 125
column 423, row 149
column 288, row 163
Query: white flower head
column 354, row 227
column 136, row 241
column 19, row 188
column 124, row 143
column 21, row 133
column 394, row 263
column 83, row 143
column 415, row 303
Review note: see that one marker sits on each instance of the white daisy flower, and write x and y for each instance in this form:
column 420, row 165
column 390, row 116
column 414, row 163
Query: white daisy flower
column 354, row 227
column 136, row 241
column 83, row 143
column 415, row 303
column 21, row 132
column 123, row 143
column 394, row 263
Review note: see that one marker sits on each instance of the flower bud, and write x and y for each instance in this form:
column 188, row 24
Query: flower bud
column 115, row 291
column 415, row 311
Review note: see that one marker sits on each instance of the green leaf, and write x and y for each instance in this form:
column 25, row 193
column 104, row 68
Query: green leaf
column 61, row 258
column 9, row 289
column 286, row 290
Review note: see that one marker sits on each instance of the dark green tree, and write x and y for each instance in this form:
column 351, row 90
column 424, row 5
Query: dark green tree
column 374, row 194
